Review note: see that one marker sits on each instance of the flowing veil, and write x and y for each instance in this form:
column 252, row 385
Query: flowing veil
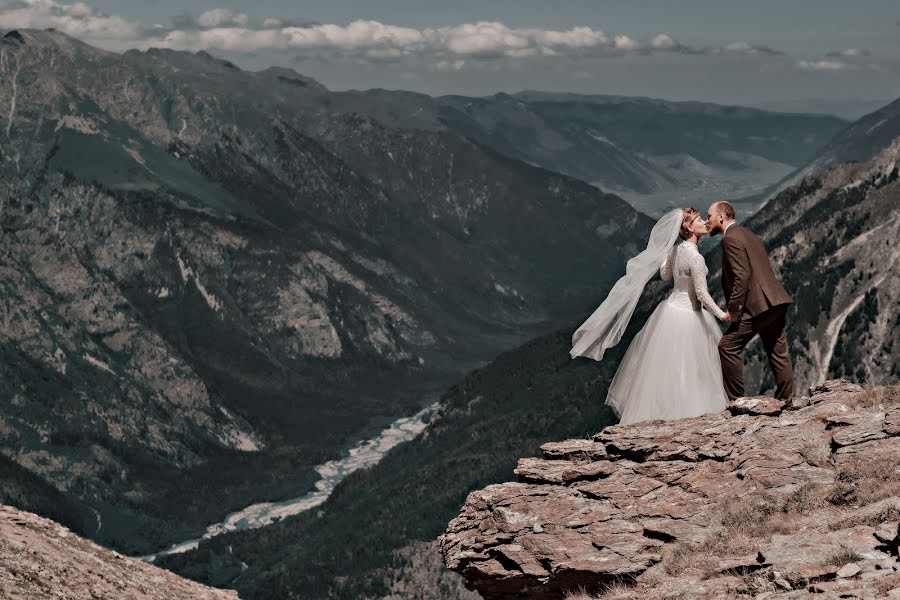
column 604, row 328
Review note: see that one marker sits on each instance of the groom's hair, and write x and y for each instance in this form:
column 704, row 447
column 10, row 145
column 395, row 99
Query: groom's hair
column 687, row 217
column 725, row 207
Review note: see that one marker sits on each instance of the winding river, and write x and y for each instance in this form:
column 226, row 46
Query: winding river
column 364, row 453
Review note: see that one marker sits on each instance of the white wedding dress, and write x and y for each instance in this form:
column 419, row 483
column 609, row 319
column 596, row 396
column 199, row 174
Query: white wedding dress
column 671, row 368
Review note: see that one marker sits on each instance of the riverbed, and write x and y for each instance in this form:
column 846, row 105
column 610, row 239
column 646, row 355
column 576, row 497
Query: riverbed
column 364, row 453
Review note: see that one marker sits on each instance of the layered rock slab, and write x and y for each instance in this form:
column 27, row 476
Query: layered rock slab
column 611, row 508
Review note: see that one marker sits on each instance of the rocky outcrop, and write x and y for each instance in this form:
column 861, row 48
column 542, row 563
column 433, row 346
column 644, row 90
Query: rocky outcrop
column 767, row 498
column 42, row 559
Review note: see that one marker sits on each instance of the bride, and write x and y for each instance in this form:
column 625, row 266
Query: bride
column 671, row 368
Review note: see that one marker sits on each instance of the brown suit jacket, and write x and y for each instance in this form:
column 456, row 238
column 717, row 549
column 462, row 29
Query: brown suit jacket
column 748, row 281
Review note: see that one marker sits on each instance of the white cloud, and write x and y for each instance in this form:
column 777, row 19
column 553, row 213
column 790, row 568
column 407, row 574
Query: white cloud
column 821, row 65
column 623, row 42
column 358, row 34
column 229, row 30
column 76, row 19
column 577, row 37
column 663, row 41
column 850, row 53
column 224, row 38
column 221, row 17
column 444, row 65
column 79, row 9
column 479, row 38
column 743, row 48
column 482, row 39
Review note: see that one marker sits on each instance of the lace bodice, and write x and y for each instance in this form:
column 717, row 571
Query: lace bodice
column 688, row 268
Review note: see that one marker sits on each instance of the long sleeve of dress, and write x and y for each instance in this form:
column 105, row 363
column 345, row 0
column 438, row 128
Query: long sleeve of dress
column 665, row 269
column 698, row 275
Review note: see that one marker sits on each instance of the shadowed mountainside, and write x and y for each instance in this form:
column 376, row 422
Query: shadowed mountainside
column 201, row 302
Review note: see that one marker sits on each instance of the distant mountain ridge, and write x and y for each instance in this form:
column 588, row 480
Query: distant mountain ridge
column 654, row 153
column 651, row 151
column 860, row 141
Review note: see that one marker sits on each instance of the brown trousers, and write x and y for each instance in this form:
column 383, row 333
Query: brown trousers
column 770, row 325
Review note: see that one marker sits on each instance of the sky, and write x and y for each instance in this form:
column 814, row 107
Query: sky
column 788, row 54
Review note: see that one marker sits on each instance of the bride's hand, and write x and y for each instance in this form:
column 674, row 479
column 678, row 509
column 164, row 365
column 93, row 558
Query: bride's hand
column 726, row 317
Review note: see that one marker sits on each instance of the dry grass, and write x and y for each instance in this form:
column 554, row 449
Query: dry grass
column 872, row 397
column 579, row 594
column 749, row 522
column 616, row 590
column 762, row 517
column 703, row 559
column 863, row 482
column 885, row 584
column 887, row 514
column 844, row 556
column 841, row 494
column 642, row 591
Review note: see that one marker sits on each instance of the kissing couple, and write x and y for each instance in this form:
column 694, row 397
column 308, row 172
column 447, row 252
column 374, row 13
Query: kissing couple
column 680, row 364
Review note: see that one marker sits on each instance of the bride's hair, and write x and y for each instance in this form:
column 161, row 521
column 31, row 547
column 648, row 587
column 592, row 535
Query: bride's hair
column 687, row 217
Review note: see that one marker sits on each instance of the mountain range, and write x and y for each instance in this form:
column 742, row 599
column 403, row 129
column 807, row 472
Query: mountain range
column 202, row 301
column 654, row 153
column 215, row 279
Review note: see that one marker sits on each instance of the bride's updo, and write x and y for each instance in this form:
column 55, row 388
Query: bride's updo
column 687, row 217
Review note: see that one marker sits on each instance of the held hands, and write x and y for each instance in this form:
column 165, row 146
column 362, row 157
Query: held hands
column 726, row 317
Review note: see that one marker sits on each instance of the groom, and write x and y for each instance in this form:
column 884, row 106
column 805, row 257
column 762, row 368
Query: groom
column 757, row 304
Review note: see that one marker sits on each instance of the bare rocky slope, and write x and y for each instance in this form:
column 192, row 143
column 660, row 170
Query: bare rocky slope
column 41, row 559
column 766, row 499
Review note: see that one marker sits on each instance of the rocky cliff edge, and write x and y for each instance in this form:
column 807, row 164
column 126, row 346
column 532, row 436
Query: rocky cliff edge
column 767, row 499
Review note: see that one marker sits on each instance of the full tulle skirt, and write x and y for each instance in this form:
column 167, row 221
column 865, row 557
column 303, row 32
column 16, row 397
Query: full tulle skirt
column 671, row 369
